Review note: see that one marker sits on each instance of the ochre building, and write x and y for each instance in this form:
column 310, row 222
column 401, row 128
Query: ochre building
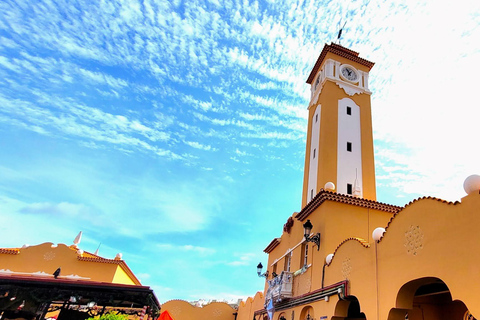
column 346, row 256
column 69, row 283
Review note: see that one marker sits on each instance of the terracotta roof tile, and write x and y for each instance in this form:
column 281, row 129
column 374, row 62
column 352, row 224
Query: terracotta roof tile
column 325, row 195
column 340, row 51
column 363, row 242
column 275, row 242
column 121, row 263
column 9, row 250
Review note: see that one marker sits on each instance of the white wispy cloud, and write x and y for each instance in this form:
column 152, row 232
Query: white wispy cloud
column 202, row 251
column 168, row 80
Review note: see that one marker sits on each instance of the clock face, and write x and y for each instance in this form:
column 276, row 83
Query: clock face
column 349, row 73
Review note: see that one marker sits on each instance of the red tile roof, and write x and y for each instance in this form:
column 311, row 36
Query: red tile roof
column 9, row 250
column 121, row 263
column 325, row 195
column 363, row 242
column 275, row 242
column 339, row 51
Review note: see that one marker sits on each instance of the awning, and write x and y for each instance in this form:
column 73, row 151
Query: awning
column 38, row 292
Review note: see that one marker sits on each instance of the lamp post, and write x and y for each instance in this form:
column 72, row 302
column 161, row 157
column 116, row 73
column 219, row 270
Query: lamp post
column 307, row 227
column 259, row 271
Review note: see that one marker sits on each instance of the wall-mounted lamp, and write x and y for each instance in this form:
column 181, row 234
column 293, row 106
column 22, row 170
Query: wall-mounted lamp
column 307, row 226
column 259, row 271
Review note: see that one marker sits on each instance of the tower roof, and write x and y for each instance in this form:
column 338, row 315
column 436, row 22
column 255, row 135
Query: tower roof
column 340, row 51
column 325, row 195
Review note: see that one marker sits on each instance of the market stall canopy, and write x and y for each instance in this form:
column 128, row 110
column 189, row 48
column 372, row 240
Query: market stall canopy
column 37, row 291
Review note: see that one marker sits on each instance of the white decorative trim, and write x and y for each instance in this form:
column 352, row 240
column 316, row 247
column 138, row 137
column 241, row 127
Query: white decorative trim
column 349, row 88
column 331, row 71
column 288, row 251
column 75, row 277
column 315, row 98
column 349, row 163
column 41, row 274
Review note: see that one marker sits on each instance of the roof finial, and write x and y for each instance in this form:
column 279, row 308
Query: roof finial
column 96, row 251
column 357, row 190
column 77, row 240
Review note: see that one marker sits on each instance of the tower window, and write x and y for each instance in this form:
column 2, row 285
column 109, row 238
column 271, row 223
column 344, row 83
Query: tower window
column 314, row 151
column 316, row 117
column 311, row 194
column 349, row 188
column 349, row 146
column 349, row 111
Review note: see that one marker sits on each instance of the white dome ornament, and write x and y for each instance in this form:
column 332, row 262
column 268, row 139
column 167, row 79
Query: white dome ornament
column 329, row 186
column 329, row 258
column 472, row 184
column 377, row 234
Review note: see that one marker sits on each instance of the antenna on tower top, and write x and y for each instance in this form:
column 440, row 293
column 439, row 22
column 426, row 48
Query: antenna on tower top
column 340, row 31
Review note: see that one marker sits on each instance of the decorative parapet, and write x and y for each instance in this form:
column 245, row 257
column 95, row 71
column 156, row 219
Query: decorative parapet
column 280, row 287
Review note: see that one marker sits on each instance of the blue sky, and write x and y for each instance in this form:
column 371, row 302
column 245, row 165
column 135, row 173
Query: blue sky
column 174, row 132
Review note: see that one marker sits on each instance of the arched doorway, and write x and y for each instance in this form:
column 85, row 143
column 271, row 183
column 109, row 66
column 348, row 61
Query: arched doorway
column 348, row 309
column 426, row 299
column 307, row 313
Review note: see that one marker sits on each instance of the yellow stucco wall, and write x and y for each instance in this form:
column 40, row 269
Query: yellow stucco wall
column 182, row 310
column 429, row 241
column 335, row 222
column 47, row 257
column 247, row 308
column 122, row 277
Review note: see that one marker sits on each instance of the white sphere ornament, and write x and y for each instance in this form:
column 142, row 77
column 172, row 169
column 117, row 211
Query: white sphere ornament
column 472, row 184
column 329, row 258
column 377, row 234
column 329, row 186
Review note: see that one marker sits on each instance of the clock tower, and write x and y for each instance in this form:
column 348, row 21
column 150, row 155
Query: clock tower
column 339, row 138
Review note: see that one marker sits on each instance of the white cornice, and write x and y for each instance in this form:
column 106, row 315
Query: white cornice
column 331, row 71
column 349, row 88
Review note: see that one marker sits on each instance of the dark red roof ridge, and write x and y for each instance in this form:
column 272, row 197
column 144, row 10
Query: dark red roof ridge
column 362, row 241
column 340, row 51
column 325, row 195
column 272, row 245
column 10, row 250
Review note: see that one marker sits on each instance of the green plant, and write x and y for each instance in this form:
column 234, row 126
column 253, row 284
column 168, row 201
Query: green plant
column 110, row 316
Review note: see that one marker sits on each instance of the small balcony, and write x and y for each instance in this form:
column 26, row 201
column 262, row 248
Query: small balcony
column 280, row 287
